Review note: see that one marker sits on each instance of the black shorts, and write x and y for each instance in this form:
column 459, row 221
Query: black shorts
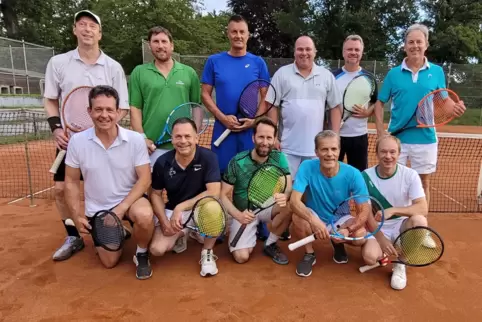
column 60, row 175
column 356, row 151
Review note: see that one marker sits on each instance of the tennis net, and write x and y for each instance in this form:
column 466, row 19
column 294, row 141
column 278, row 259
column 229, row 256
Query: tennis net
column 27, row 152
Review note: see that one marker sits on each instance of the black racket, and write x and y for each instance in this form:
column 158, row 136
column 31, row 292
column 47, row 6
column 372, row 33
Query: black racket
column 107, row 230
column 249, row 103
column 359, row 91
column 209, row 217
column 411, row 249
column 265, row 182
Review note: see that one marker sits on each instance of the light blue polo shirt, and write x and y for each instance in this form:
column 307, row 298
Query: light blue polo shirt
column 406, row 89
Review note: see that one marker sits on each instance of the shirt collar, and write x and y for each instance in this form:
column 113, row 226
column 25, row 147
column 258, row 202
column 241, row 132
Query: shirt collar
column 314, row 71
column 121, row 134
column 176, row 66
column 100, row 60
column 426, row 64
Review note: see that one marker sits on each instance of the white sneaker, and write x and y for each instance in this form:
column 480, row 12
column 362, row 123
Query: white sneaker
column 208, row 263
column 181, row 243
column 399, row 277
column 429, row 242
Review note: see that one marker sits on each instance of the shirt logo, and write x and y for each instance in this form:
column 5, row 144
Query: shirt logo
column 179, row 82
column 197, row 167
column 246, row 66
column 172, row 172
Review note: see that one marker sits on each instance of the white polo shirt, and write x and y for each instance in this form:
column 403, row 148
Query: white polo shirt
column 67, row 71
column 302, row 110
column 109, row 174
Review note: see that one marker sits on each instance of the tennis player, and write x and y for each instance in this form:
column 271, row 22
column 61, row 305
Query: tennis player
column 303, row 89
column 235, row 185
column 229, row 72
column 157, row 87
column 116, row 170
column 406, row 85
column 86, row 65
column 354, row 132
column 405, row 206
column 188, row 173
column 326, row 183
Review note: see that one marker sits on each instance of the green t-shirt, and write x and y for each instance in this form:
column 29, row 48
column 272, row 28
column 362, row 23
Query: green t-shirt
column 240, row 170
column 157, row 96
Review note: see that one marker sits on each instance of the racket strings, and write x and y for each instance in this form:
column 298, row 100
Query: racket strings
column 108, row 230
column 209, row 217
column 437, row 108
column 413, row 248
column 266, row 182
column 358, row 92
column 75, row 112
column 251, row 98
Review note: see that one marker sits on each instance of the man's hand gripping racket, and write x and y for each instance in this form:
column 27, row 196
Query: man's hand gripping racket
column 352, row 212
column 251, row 102
column 265, row 183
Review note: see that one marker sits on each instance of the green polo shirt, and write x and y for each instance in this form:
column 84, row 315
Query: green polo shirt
column 157, row 96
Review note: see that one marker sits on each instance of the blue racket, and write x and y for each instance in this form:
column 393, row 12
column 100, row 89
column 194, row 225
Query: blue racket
column 350, row 209
column 193, row 111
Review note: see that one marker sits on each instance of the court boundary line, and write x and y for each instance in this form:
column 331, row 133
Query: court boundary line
column 31, row 195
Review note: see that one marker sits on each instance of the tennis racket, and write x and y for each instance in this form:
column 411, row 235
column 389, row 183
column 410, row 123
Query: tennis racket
column 75, row 117
column 348, row 210
column 434, row 109
column 193, row 111
column 359, row 91
column 411, row 250
column 249, row 103
column 265, row 182
column 107, row 230
column 209, row 218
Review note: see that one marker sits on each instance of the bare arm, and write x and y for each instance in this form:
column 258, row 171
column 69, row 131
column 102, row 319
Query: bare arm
column 379, row 117
column 136, row 119
column 207, row 100
column 226, row 194
column 72, row 191
column 159, row 207
column 299, row 208
column 212, row 189
column 419, row 207
column 335, row 118
column 142, row 185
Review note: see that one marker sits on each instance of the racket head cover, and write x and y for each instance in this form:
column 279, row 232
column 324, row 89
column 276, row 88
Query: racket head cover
column 412, row 249
column 357, row 207
column 75, row 114
column 209, row 217
column 436, row 108
column 266, row 181
column 359, row 91
column 251, row 98
column 107, row 230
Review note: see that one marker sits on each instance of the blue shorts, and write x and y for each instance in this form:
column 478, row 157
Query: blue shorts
column 234, row 143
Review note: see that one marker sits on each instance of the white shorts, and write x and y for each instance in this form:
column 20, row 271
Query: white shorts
column 391, row 228
column 423, row 157
column 248, row 238
column 340, row 221
column 156, row 154
column 185, row 216
column 294, row 162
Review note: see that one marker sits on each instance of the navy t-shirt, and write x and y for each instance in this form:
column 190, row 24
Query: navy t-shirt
column 184, row 184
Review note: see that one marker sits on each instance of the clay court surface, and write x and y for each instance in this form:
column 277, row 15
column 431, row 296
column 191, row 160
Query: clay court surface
column 34, row 288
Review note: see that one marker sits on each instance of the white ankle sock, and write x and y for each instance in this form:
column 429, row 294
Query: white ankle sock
column 272, row 238
column 140, row 250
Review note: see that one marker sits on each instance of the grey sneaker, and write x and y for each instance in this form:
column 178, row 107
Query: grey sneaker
column 276, row 254
column 71, row 246
column 304, row 267
column 144, row 269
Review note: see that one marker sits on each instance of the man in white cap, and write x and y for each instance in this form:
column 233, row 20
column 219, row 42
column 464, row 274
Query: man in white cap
column 85, row 65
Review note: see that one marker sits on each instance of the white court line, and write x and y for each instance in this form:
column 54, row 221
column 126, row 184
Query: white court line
column 448, row 197
column 28, row 196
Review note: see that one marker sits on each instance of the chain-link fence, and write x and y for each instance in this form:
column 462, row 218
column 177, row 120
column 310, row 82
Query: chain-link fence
column 22, row 66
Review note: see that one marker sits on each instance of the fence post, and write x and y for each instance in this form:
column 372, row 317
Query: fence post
column 13, row 66
column 449, row 76
column 27, row 161
column 142, row 47
column 26, row 68
column 375, row 67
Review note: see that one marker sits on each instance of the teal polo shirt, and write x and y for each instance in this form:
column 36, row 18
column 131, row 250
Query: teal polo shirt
column 157, row 95
column 406, row 89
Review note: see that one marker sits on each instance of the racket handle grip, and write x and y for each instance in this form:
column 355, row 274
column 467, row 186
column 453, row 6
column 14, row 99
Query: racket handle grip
column 57, row 161
column 222, row 137
column 301, row 242
column 366, row 268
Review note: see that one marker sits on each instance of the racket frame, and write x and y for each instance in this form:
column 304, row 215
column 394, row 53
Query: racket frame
column 94, row 234
column 66, row 127
column 386, row 259
column 311, row 238
column 165, row 130
column 257, row 210
column 363, row 74
column 240, row 111
column 195, row 227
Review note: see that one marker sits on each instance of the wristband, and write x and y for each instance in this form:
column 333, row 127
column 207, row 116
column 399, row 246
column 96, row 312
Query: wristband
column 54, row 123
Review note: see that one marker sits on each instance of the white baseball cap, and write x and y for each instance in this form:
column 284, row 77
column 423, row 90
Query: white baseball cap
column 84, row 13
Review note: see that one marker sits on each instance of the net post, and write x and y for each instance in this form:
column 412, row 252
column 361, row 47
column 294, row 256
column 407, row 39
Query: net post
column 25, row 64
column 27, row 161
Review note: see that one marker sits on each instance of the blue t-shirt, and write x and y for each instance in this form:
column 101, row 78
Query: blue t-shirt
column 405, row 93
column 324, row 195
column 229, row 75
